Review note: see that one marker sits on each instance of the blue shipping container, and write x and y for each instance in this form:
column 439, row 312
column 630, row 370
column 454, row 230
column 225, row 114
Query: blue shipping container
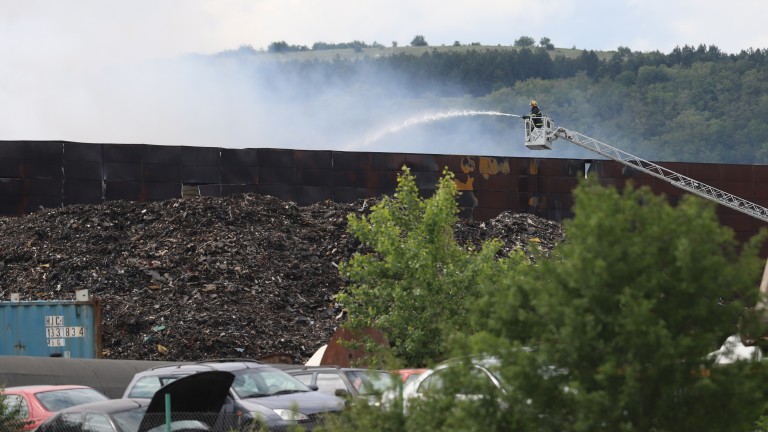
column 51, row 328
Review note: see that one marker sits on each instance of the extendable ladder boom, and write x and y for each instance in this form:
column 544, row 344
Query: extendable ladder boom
column 542, row 138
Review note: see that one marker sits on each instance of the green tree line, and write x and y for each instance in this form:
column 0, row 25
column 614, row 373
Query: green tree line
column 694, row 104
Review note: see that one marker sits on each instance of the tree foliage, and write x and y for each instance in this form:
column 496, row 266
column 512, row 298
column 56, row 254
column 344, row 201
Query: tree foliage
column 630, row 308
column 525, row 41
column 417, row 282
column 11, row 418
column 419, row 40
column 611, row 332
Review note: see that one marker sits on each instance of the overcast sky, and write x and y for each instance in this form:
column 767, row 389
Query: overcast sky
column 62, row 62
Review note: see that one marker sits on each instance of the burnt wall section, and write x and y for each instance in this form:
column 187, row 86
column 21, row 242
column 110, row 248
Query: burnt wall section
column 46, row 174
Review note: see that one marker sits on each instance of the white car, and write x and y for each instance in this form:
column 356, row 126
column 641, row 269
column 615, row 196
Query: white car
column 483, row 369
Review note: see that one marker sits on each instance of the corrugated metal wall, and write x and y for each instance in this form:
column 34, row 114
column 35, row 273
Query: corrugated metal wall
column 44, row 174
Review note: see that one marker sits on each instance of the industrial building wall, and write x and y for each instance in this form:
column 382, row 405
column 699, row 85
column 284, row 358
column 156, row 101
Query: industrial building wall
column 46, row 174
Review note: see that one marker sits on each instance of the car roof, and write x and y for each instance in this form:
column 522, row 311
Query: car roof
column 109, row 406
column 208, row 365
column 330, row 368
column 43, row 388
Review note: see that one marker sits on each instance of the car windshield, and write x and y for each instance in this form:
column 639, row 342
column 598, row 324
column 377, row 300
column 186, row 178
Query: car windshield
column 147, row 386
column 130, row 420
column 265, row 381
column 56, row 400
column 371, row 382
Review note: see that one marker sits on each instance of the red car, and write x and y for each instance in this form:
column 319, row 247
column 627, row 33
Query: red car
column 409, row 375
column 39, row 402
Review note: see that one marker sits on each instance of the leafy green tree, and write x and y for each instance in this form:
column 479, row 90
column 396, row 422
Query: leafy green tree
column 416, row 283
column 546, row 43
column 628, row 310
column 419, row 40
column 525, row 41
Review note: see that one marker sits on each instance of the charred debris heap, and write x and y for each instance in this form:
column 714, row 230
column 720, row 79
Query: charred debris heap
column 190, row 279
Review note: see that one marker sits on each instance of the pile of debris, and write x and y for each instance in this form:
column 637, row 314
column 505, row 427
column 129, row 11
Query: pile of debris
column 181, row 280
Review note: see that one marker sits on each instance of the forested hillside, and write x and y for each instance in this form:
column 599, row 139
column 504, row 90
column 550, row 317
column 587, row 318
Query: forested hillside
column 694, row 104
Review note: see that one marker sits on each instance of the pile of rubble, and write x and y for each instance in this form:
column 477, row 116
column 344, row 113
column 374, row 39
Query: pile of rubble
column 238, row 276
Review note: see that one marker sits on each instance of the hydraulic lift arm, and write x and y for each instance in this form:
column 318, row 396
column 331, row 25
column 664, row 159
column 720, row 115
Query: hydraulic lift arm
column 542, row 138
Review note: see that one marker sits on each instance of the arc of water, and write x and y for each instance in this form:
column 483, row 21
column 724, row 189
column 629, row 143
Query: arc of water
column 430, row 117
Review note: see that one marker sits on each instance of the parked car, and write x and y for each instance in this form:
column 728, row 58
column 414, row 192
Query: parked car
column 259, row 392
column 188, row 410
column 409, row 375
column 37, row 403
column 343, row 382
column 483, row 369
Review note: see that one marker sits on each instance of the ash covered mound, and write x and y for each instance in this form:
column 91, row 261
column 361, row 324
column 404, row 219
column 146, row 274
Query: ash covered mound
column 184, row 280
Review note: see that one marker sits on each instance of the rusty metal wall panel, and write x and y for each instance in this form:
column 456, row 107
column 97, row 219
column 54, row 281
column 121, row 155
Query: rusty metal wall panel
column 702, row 172
column 158, row 154
column 738, row 173
column 210, row 190
column 120, row 171
column 349, row 194
column 35, row 203
column 83, row 188
column 454, row 163
column 44, row 150
column 467, row 199
column 11, row 187
column 125, row 153
column 71, row 200
column 554, row 167
column 200, row 174
column 422, row 163
column 43, row 169
column 160, row 191
column 761, row 173
column 269, row 175
column 239, row 174
column 745, row 190
column 275, row 158
column 200, row 156
column 233, row 189
column 83, row 170
column 387, row 161
column 122, row 190
column 11, row 167
column 12, row 149
column 314, row 177
column 239, row 157
column 378, row 179
column 74, row 151
column 531, row 167
column 494, row 199
column 313, row 159
column 351, row 160
column 350, row 178
column 606, row 169
column 560, row 185
column 426, row 180
column 280, row 191
column 162, row 173
column 306, row 195
column 11, row 206
column 43, row 187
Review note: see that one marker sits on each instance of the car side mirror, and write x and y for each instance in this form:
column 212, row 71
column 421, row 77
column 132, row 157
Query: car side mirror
column 313, row 387
column 341, row 393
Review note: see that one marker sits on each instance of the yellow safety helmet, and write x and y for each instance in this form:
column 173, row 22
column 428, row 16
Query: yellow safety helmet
column 533, row 103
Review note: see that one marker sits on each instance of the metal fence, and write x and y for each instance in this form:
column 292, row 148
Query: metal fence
column 161, row 422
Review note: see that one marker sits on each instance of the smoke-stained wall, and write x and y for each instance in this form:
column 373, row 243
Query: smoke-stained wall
column 48, row 174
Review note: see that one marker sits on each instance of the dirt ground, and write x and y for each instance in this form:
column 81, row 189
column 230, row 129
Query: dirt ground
column 182, row 280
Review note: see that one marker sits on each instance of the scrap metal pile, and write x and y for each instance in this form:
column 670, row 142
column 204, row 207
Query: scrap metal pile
column 181, row 280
